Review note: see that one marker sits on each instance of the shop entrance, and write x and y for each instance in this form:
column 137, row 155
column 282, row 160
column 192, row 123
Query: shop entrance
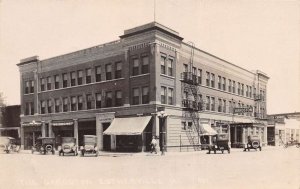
column 86, row 128
column 106, row 138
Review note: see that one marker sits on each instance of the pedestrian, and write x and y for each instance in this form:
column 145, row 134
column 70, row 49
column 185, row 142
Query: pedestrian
column 153, row 145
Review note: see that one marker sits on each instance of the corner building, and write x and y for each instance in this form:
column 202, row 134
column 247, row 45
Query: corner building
column 129, row 90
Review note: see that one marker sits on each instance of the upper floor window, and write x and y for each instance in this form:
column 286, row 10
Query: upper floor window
column 135, row 67
column 135, row 96
column 213, row 104
column 200, row 76
column 66, row 104
column 31, row 86
column 80, row 103
column 224, row 106
column 224, row 84
column 250, row 91
column 170, row 67
column 219, row 105
column 247, row 90
column 43, row 107
column 49, row 106
column 163, row 65
column 49, row 83
column 212, row 80
column 56, row 81
column 27, row 108
column 185, row 67
column 27, row 83
column 163, row 95
column 65, row 80
column 89, row 101
column 98, row 100
column 31, row 108
column 239, row 88
column 118, row 98
column 145, row 95
column 108, row 72
column 207, row 79
column 233, row 86
column 118, row 72
column 219, row 82
column 108, row 99
column 73, row 78
column 170, row 96
column 98, row 73
column 207, row 103
column 79, row 77
column 145, row 64
column 242, row 90
column 88, row 75
column 42, row 84
column 73, row 103
column 57, row 105
column 229, row 85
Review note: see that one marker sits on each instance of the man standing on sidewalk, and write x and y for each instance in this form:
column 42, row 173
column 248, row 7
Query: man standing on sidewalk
column 153, row 145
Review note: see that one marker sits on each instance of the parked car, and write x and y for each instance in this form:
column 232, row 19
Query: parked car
column 253, row 143
column 68, row 146
column 9, row 144
column 220, row 143
column 44, row 145
column 89, row 145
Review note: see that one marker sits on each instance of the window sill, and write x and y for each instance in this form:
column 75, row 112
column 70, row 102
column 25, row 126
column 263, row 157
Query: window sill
column 164, row 75
column 141, row 75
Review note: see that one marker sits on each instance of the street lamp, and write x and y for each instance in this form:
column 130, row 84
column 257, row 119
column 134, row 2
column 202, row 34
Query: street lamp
column 162, row 115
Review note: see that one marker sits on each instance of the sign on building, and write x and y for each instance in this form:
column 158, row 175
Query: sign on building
column 243, row 110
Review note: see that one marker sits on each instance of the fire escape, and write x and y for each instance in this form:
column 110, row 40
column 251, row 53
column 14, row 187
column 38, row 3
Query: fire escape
column 191, row 103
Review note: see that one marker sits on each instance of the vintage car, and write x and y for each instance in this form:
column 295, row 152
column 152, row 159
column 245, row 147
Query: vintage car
column 220, row 143
column 68, row 146
column 44, row 145
column 253, row 143
column 89, row 145
column 8, row 144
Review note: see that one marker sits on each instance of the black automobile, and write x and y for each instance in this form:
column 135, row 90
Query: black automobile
column 9, row 144
column 253, row 143
column 89, row 145
column 44, row 145
column 68, row 146
column 220, row 143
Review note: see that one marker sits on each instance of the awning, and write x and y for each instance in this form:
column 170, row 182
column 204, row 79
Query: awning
column 127, row 126
column 62, row 123
column 207, row 130
column 33, row 123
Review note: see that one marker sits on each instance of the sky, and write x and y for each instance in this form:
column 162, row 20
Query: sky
column 253, row 34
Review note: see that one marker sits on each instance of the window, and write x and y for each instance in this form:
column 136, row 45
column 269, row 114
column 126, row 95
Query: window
column 88, row 76
column 207, row 78
column 48, row 83
column 233, row 86
column 242, row 91
column 118, row 72
column 213, row 104
column 79, row 77
column 219, row 82
column 118, row 99
column 108, row 99
column 135, row 96
column 135, row 67
column 89, row 100
column 145, row 95
column 170, row 96
column 170, row 67
column 108, row 72
column 145, row 64
column 73, row 103
column 200, row 76
column 224, row 84
column 213, row 80
column 185, row 67
column 163, row 94
column 98, row 100
column 224, row 106
column 73, row 78
column 247, row 90
column 27, row 108
column 49, row 106
column 229, row 85
column 65, row 105
column 31, row 108
column 207, row 103
column 57, row 105
column 31, row 87
column 219, row 105
column 230, row 107
column 163, row 65
column 80, row 103
column 239, row 88
column 43, row 107
column 65, row 80
column 56, row 81
column 42, row 84
column 200, row 105
column 98, row 73
column 250, row 91
column 27, row 87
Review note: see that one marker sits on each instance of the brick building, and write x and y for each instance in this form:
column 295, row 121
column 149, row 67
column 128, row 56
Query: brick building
column 129, row 90
column 10, row 121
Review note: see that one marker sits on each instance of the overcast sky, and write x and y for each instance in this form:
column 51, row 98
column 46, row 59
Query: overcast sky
column 254, row 34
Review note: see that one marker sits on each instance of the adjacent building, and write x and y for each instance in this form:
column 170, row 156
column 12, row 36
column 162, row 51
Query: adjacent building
column 10, row 121
column 129, row 90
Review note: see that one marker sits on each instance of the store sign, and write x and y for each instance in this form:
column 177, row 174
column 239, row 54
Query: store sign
column 243, row 110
